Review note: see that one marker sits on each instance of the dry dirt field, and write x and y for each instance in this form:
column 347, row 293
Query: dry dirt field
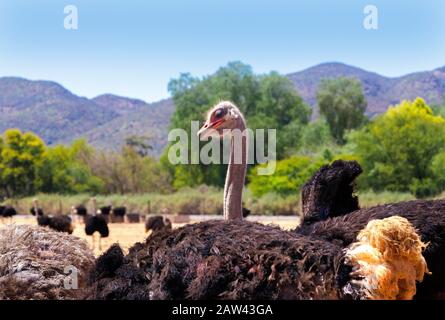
column 126, row 234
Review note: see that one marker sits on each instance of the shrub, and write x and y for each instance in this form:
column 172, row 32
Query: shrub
column 289, row 176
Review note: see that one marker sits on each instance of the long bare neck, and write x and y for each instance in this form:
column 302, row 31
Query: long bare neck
column 236, row 173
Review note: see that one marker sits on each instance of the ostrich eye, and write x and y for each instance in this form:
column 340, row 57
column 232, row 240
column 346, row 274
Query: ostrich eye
column 219, row 113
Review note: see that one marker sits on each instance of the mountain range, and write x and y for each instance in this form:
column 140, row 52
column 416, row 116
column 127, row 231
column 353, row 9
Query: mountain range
column 59, row 116
column 380, row 91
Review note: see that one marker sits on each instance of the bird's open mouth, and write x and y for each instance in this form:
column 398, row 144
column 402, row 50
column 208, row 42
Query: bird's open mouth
column 210, row 130
column 216, row 124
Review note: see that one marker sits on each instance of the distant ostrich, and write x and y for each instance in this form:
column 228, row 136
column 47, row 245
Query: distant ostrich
column 246, row 212
column 118, row 213
column 105, row 210
column 157, row 223
column 2, row 209
column 38, row 263
column 236, row 259
column 96, row 223
column 79, row 211
column 35, row 210
column 7, row 212
column 59, row 223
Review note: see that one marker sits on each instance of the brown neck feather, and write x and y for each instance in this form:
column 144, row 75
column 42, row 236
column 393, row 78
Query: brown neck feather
column 236, row 173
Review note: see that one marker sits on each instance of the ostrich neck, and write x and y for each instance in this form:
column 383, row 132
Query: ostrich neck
column 236, row 173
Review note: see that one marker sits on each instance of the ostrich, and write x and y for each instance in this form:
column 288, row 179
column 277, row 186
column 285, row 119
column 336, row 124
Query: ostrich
column 236, row 259
column 2, row 209
column 330, row 192
column 331, row 212
column 7, row 212
column 105, row 210
column 35, row 210
column 38, row 264
column 96, row 223
column 157, row 223
column 246, row 212
column 79, row 211
column 118, row 213
column 59, row 223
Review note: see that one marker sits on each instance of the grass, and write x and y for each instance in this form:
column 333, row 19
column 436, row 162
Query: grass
column 370, row 198
column 198, row 201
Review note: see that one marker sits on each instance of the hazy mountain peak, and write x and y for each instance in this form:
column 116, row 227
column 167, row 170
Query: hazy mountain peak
column 15, row 89
column 119, row 104
column 380, row 91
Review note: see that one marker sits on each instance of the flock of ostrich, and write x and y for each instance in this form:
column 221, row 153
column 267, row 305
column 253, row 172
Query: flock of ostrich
column 339, row 251
column 95, row 223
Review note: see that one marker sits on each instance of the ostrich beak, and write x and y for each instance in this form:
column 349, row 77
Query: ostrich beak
column 208, row 130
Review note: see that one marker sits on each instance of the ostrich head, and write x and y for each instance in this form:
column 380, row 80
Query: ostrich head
column 223, row 119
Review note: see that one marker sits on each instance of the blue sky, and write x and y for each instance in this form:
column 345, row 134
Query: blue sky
column 133, row 48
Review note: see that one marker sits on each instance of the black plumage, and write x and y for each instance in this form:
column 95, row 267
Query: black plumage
column 330, row 191
column 59, row 223
column 105, row 210
column 331, row 212
column 157, row 223
column 81, row 210
column 246, row 212
column 7, row 211
column 96, row 223
column 246, row 260
column 119, row 211
column 39, row 211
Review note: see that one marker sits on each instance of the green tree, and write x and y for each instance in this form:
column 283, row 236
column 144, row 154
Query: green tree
column 316, row 136
column 126, row 171
column 141, row 144
column 21, row 154
column 397, row 148
column 438, row 171
column 439, row 109
column 343, row 104
column 61, row 171
column 288, row 178
column 2, row 183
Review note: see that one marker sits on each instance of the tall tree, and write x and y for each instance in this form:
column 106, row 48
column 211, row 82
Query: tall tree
column 21, row 154
column 62, row 171
column 343, row 104
column 140, row 144
column 398, row 149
